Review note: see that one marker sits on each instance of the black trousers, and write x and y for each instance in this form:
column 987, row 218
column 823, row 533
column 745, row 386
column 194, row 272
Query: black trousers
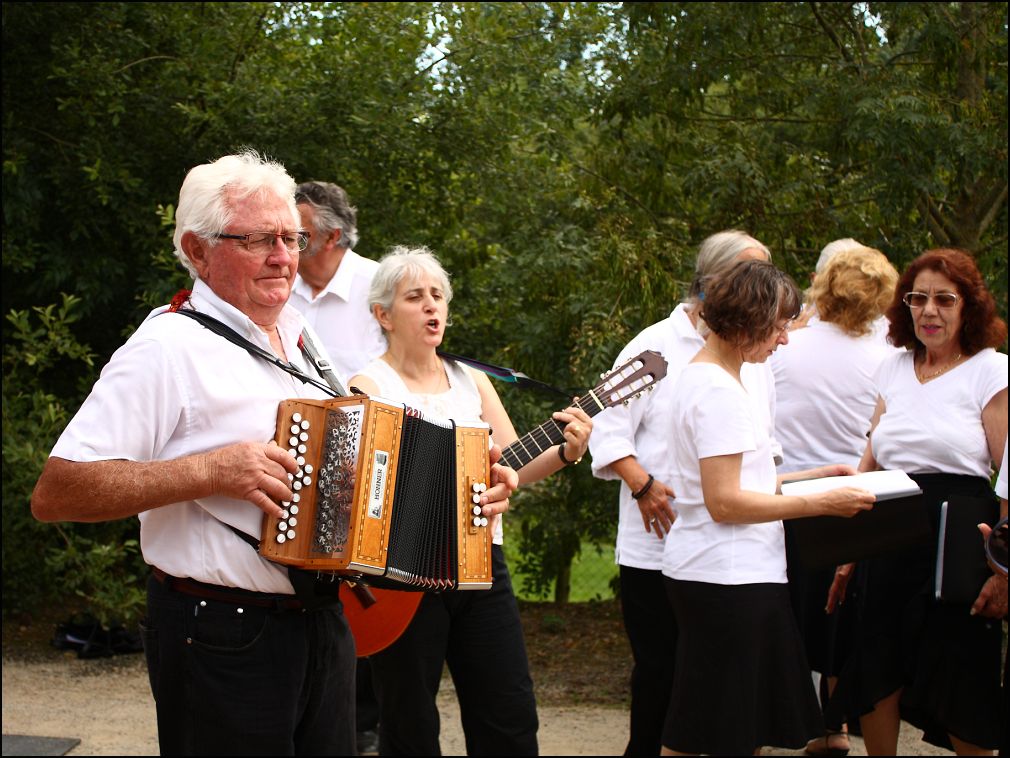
column 232, row 679
column 652, row 632
column 366, row 702
column 479, row 635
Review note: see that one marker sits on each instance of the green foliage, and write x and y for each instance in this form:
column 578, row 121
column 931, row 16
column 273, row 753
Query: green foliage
column 42, row 562
column 564, row 160
column 108, row 577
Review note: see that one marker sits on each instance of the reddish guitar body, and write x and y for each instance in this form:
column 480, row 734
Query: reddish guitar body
column 378, row 617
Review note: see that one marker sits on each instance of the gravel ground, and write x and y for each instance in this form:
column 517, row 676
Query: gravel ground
column 107, row 704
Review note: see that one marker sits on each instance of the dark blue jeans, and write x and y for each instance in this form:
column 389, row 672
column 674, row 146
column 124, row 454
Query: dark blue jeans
column 231, row 679
column 479, row 634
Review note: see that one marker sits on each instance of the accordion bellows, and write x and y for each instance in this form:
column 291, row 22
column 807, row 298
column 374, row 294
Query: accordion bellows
column 382, row 491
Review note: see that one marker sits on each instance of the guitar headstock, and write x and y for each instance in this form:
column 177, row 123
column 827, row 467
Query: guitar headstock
column 631, row 379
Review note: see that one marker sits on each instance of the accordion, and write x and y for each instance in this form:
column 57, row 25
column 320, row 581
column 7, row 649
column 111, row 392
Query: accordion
column 382, row 491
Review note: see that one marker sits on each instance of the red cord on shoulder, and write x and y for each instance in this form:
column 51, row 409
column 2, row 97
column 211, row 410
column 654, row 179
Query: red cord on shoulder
column 179, row 300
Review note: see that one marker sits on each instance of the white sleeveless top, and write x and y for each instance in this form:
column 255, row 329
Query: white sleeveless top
column 461, row 402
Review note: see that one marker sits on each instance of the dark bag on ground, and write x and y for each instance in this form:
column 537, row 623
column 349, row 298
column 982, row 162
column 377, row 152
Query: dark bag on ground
column 86, row 634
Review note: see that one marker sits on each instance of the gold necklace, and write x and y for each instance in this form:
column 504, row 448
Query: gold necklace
column 720, row 361
column 949, row 365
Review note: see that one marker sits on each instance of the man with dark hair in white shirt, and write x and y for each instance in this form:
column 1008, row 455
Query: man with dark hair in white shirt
column 331, row 288
column 331, row 291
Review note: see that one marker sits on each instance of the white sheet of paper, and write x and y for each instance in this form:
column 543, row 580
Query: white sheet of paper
column 884, row 484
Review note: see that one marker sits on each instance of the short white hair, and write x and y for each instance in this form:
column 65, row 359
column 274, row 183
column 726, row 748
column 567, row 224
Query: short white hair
column 204, row 206
column 408, row 263
column 718, row 252
column 834, row 248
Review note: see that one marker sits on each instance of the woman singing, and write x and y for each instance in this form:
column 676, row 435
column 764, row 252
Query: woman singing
column 477, row 633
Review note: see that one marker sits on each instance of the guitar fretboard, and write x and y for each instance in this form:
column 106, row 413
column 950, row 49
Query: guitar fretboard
column 634, row 376
column 548, row 434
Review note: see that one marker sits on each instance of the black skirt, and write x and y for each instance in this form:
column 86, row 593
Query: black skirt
column 827, row 636
column 741, row 679
column 945, row 661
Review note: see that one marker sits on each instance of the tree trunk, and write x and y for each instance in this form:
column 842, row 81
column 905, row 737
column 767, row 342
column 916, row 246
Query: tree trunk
column 563, row 584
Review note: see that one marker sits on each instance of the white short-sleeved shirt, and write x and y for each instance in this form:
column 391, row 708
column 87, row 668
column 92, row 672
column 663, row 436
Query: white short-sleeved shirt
column 825, row 394
column 461, row 402
column 714, row 415
column 642, row 429
column 936, row 427
column 174, row 389
column 340, row 316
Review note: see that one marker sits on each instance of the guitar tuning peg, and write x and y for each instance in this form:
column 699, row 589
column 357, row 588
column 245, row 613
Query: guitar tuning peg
column 624, row 402
column 603, row 375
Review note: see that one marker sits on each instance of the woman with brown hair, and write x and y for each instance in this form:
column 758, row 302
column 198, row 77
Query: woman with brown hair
column 740, row 678
column 941, row 416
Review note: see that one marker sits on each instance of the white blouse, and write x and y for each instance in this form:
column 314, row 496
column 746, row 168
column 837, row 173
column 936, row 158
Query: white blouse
column 825, row 394
column 714, row 415
column 936, row 427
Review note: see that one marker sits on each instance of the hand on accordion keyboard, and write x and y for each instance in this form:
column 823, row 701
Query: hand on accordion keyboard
column 253, row 471
column 504, row 481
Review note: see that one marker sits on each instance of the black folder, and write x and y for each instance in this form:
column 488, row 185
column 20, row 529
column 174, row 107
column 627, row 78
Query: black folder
column 897, row 521
column 961, row 567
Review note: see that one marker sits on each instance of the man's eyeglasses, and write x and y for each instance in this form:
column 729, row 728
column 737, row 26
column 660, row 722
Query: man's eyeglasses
column 262, row 243
column 919, row 299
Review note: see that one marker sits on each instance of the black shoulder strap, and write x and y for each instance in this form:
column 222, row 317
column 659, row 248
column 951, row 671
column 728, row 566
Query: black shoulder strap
column 231, row 335
column 322, row 365
column 505, row 374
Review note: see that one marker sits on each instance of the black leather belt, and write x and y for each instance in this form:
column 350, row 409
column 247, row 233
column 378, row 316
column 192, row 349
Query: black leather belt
column 228, row 594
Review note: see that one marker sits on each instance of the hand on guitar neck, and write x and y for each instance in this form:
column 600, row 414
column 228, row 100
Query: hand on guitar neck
column 377, row 616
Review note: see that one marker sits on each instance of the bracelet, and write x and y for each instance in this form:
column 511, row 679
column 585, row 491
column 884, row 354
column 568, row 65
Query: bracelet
column 645, row 488
column 561, row 455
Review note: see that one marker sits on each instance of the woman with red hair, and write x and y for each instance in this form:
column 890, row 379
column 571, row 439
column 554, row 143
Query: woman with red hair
column 941, row 416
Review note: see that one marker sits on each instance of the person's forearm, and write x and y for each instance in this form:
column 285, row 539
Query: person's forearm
column 114, row 489
column 747, row 507
column 631, row 471
column 541, row 467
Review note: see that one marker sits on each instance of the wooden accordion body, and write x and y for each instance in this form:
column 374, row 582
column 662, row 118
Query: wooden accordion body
column 383, row 491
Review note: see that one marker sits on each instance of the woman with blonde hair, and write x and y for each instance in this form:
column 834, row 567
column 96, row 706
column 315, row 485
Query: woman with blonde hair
column 824, row 387
column 825, row 396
